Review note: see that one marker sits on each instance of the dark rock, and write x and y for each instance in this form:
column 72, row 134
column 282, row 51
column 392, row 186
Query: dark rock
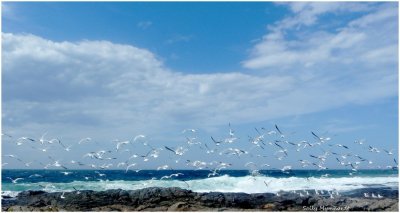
column 176, row 199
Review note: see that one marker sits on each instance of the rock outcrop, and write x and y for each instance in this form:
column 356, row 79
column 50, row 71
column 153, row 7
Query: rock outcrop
column 176, row 199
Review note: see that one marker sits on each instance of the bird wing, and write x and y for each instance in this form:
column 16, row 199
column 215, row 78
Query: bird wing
column 315, row 135
column 170, row 149
column 279, row 145
column 216, row 142
column 276, row 127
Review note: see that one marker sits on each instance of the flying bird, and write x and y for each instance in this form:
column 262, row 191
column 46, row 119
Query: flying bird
column 216, row 142
column 15, row 180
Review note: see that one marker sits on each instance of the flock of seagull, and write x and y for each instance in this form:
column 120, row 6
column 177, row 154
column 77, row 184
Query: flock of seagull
column 123, row 156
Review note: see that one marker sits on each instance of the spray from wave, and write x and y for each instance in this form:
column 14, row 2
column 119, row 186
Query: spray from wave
column 225, row 183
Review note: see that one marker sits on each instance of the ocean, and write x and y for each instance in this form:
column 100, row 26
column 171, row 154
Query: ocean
column 262, row 181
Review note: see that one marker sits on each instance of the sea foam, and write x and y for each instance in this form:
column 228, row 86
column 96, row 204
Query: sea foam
column 225, row 183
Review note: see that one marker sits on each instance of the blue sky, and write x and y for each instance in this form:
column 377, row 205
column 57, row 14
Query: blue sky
column 115, row 70
column 179, row 33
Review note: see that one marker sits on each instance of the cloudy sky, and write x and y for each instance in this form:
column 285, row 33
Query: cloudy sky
column 115, row 70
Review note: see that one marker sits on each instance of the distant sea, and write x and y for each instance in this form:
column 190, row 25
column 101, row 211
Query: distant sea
column 197, row 180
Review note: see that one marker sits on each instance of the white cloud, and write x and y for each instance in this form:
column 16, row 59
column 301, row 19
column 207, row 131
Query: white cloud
column 179, row 38
column 108, row 85
column 144, row 24
column 338, row 45
column 354, row 63
column 99, row 87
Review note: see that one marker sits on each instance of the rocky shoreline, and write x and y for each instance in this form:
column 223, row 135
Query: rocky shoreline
column 176, row 199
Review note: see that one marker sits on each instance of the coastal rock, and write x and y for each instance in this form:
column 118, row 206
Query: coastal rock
column 176, row 199
column 179, row 206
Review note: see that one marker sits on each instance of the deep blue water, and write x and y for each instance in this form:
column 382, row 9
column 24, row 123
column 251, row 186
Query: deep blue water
column 197, row 180
column 56, row 176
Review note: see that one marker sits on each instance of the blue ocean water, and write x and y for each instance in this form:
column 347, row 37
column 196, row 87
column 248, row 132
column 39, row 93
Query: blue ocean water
column 197, row 180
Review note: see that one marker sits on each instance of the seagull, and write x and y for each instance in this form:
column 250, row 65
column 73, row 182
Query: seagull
column 256, row 141
column 214, row 173
column 62, row 195
column 42, row 140
column 340, row 145
column 6, row 135
column 13, row 156
column 77, row 191
column 320, row 167
column 231, row 132
column 100, row 174
column 276, row 127
column 44, row 149
column 389, row 152
column 216, row 142
column 250, row 163
column 170, row 176
column 163, row 167
column 306, row 144
column 233, row 151
column 197, row 164
column 68, row 148
column 15, row 180
column 279, row 146
column 230, row 139
column 267, row 184
column 267, row 165
column 129, row 166
column 59, row 142
column 209, row 150
column 192, row 141
column 28, row 164
column 291, row 143
column 138, row 136
column 79, row 163
column 66, row 173
column 285, row 168
column 119, row 144
column 284, row 151
column 55, row 140
column 373, row 149
column 316, row 136
column 304, row 163
column 325, row 175
column 272, row 132
column 189, row 130
column 90, row 154
column 341, row 163
column 83, row 140
column 353, row 167
column 155, row 153
column 361, row 158
column 178, row 151
column 57, row 164
column 361, row 142
column 26, row 138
